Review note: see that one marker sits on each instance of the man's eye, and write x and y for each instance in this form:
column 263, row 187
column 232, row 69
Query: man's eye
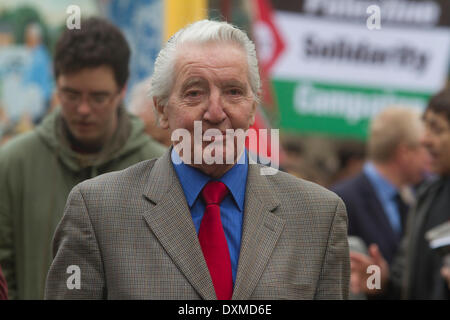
column 193, row 93
column 99, row 98
column 438, row 131
column 71, row 96
column 235, row 92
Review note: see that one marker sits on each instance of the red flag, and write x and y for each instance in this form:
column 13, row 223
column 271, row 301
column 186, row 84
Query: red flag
column 269, row 44
column 264, row 139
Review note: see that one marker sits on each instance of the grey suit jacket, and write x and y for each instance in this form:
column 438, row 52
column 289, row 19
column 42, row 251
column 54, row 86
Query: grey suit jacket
column 131, row 235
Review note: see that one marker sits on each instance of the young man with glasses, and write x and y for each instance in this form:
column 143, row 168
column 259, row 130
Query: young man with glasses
column 90, row 134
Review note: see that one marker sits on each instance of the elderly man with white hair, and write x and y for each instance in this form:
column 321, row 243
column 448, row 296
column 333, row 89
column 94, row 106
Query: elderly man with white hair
column 179, row 228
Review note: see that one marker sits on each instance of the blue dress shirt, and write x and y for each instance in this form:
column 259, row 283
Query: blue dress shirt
column 386, row 193
column 193, row 180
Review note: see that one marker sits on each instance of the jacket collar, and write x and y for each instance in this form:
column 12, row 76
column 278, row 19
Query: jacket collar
column 129, row 136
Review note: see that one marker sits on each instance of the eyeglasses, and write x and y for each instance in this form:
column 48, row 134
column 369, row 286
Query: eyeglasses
column 94, row 100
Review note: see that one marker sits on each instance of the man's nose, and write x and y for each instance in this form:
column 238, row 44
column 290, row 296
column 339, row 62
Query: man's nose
column 84, row 108
column 215, row 113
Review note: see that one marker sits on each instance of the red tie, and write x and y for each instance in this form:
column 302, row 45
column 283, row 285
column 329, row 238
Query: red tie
column 213, row 242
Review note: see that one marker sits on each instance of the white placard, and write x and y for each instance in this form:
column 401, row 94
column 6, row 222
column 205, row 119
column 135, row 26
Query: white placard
column 347, row 53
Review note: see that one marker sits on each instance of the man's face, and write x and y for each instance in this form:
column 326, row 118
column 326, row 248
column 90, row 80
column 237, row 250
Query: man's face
column 415, row 163
column 211, row 85
column 89, row 101
column 437, row 141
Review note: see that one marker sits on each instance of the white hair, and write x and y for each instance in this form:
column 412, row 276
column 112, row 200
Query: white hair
column 391, row 127
column 201, row 32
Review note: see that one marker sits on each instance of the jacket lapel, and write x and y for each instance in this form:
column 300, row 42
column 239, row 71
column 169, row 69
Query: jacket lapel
column 171, row 222
column 261, row 230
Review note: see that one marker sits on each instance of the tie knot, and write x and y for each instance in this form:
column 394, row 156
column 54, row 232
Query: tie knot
column 214, row 192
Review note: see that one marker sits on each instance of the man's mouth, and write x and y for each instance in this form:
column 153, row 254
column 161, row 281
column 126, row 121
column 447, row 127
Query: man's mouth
column 214, row 137
column 434, row 155
column 84, row 124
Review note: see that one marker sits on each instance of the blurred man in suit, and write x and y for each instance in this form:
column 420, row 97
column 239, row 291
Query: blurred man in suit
column 173, row 228
column 375, row 205
column 418, row 271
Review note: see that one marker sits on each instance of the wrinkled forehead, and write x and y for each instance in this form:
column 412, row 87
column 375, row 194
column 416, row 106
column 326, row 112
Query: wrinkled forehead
column 217, row 56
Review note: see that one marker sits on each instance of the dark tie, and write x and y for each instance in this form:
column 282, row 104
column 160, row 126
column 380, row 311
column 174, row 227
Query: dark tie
column 402, row 210
column 213, row 242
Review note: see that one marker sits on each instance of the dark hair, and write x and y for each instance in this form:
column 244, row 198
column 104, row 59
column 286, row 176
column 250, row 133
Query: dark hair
column 440, row 103
column 95, row 44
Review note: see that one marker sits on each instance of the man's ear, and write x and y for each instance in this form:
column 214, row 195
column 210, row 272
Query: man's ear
column 401, row 153
column 252, row 114
column 162, row 116
column 123, row 92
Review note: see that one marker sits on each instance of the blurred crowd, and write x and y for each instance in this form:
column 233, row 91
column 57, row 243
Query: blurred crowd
column 395, row 185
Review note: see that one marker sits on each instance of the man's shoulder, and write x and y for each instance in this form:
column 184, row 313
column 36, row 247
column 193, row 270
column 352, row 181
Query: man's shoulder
column 153, row 148
column 302, row 201
column 21, row 147
column 118, row 181
column 351, row 186
column 291, row 186
column 146, row 145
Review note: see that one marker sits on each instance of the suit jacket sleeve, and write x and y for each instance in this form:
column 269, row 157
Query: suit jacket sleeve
column 334, row 278
column 75, row 246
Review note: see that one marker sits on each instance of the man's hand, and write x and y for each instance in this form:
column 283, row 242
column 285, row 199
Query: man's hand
column 359, row 275
column 445, row 272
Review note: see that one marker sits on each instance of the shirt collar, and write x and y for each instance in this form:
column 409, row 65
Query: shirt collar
column 383, row 186
column 193, row 180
